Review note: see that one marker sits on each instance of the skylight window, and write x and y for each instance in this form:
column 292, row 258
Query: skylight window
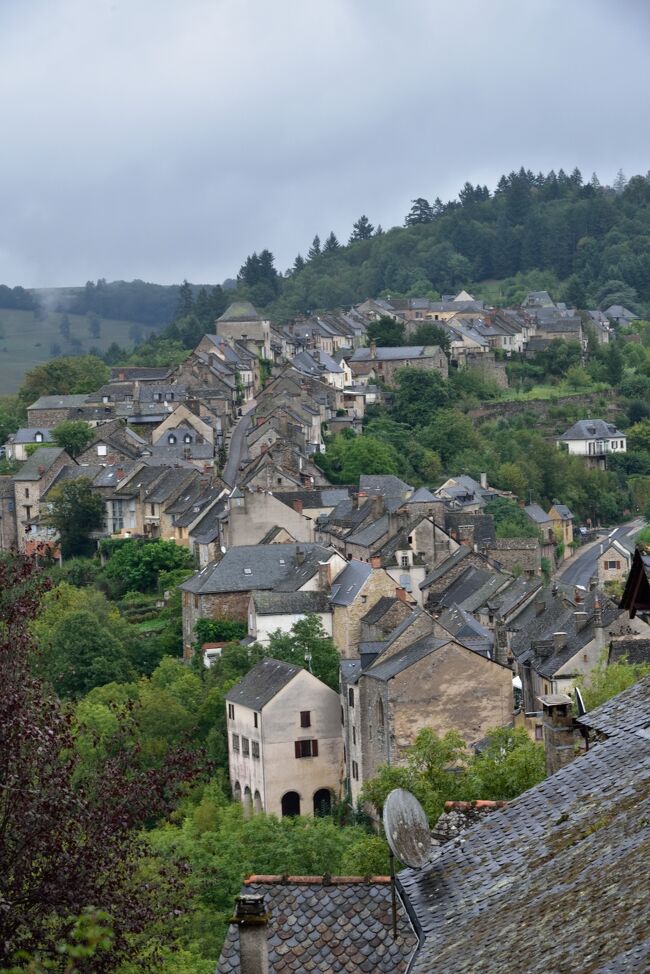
column 248, row 571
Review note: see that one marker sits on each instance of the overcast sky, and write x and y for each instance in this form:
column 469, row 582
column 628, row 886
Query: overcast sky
column 168, row 139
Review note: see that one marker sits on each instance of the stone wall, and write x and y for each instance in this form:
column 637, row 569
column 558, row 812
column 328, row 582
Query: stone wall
column 347, row 619
column 232, row 605
column 541, row 407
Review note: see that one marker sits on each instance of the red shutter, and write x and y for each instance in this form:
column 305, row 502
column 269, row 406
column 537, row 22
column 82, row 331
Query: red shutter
column 314, row 749
column 297, row 748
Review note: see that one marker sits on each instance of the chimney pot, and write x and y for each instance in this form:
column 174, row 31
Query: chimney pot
column 559, row 640
column 559, row 737
column 252, row 919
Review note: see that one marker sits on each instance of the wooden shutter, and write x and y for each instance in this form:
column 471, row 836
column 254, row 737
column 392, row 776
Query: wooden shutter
column 314, row 749
column 297, row 749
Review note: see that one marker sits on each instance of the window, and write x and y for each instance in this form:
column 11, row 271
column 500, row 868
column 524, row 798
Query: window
column 187, row 438
column 235, row 742
column 152, row 509
column 102, row 449
column 255, row 716
column 39, row 437
column 171, row 439
column 28, row 512
column 305, row 718
column 351, row 697
column 539, row 733
column 405, row 561
column 231, row 711
column 106, row 399
column 255, row 749
column 306, row 749
column 342, row 716
column 245, row 747
column 196, row 601
column 354, row 734
column 26, row 493
column 355, row 770
column 613, row 564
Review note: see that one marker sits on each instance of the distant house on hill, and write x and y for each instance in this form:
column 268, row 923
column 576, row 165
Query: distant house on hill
column 593, row 440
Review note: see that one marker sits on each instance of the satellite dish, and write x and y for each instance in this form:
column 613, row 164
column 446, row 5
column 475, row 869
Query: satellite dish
column 407, row 828
column 580, row 703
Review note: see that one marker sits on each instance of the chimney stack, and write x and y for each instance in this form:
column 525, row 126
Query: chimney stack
column 484, row 481
column 559, row 737
column 559, row 640
column 300, row 555
column 119, row 473
column 252, row 919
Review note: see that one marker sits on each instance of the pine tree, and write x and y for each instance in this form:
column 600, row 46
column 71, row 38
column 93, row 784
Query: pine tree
column 620, row 182
column 298, row 264
column 314, row 251
column 331, row 243
column 421, row 212
column 185, row 300
column 362, row 229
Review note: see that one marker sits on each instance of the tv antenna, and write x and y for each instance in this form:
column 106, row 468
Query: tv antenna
column 408, row 835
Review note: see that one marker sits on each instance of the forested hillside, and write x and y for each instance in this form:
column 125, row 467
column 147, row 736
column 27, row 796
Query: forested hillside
column 593, row 241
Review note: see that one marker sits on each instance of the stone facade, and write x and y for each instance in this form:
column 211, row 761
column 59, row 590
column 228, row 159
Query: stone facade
column 347, row 618
column 516, row 555
column 234, row 605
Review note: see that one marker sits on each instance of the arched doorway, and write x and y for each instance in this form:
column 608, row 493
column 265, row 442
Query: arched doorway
column 247, row 802
column 237, row 792
column 257, row 803
column 290, row 803
column 322, row 801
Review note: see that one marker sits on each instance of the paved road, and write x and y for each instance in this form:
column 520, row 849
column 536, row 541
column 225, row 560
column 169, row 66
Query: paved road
column 237, row 451
column 581, row 568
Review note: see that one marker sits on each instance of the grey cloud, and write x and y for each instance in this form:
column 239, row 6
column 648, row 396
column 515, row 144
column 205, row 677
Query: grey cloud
column 164, row 140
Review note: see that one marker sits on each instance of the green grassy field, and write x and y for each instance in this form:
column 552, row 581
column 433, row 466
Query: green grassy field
column 25, row 341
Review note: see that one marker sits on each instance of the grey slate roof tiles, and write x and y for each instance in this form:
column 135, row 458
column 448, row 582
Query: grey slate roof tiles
column 339, row 928
column 262, row 683
column 559, row 881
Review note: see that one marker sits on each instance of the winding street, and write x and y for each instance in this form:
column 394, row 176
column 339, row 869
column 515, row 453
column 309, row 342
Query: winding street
column 578, row 570
column 237, row 450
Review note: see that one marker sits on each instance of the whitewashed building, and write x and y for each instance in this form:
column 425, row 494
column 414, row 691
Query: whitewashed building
column 593, row 440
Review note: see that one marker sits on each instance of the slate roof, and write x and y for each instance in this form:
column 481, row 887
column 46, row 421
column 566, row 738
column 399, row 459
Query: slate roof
column 40, row 460
column 349, row 582
column 59, row 402
column 262, row 683
column 635, row 649
column 384, row 485
column 563, row 511
column 282, row 603
column 589, row 429
column 530, row 628
column 544, row 885
column 467, row 630
column 251, row 567
column 445, row 566
column 379, row 609
column 27, row 434
column 387, row 669
column 536, row 513
column 73, row 471
column 326, row 926
column 240, row 311
column 422, row 495
column 317, row 497
column 369, row 534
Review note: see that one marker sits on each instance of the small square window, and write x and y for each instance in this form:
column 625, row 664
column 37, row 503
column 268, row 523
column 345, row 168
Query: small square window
column 102, row 449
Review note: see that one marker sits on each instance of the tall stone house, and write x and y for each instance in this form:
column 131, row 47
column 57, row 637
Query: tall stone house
column 285, row 750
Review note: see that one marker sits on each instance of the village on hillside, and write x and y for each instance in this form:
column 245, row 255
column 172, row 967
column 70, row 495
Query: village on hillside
column 439, row 623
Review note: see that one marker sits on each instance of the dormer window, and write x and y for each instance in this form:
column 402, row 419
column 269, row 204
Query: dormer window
column 106, row 398
column 187, row 438
column 171, row 439
column 38, row 438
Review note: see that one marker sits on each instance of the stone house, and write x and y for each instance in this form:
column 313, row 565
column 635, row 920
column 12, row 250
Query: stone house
column 285, row 749
column 49, row 411
column 353, row 592
column 387, row 361
column 269, row 612
column 419, row 677
column 563, row 520
column 223, row 588
column 113, row 443
column 516, row 555
column 252, row 513
column 30, row 483
column 241, row 322
column 182, row 415
column 16, row 447
column 614, row 562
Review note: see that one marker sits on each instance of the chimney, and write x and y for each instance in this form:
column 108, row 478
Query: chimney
column 484, row 481
column 559, row 641
column 373, row 349
column 375, row 561
column 377, row 506
column 252, row 919
column 501, row 650
column 300, row 555
column 578, row 595
column 582, row 618
column 559, row 737
column 119, row 473
column 400, row 593
column 297, row 505
column 324, row 576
